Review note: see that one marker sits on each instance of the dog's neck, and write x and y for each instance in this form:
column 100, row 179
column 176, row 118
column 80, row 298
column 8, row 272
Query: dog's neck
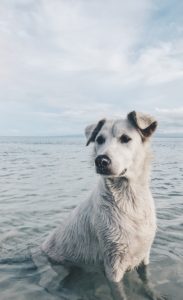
column 130, row 187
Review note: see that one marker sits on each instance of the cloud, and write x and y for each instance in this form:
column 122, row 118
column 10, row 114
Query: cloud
column 174, row 112
column 162, row 64
column 67, row 63
column 170, row 120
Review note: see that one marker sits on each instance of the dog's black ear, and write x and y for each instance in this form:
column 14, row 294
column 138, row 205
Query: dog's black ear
column 145, row 124
column 91, row 131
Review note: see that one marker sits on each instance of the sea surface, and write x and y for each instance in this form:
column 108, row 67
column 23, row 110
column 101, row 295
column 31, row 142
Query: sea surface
column 42, row 179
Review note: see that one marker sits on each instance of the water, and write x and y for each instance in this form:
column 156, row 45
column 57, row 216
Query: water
column 42, row 180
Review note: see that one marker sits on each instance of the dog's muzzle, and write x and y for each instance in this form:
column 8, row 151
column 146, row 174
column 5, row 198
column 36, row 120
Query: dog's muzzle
column 102, row 163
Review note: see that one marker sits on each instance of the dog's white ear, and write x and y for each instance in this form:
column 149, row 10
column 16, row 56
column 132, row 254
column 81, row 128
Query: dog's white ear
column 91, row 131
column 145, row 124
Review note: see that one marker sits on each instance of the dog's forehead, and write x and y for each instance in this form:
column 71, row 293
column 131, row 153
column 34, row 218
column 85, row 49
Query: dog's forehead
column 107, row 127
column 117, row 127
column 121, row 126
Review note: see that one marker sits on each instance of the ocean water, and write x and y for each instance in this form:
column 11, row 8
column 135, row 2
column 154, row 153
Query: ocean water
column 41, row 180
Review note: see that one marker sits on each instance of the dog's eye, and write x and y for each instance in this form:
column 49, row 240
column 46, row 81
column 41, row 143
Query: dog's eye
column 100, row 140
column 125, row 139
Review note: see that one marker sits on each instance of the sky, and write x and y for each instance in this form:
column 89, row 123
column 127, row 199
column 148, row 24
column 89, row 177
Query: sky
column 65, row 64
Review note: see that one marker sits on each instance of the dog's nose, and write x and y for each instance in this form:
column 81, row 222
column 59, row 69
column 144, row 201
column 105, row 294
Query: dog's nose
column 102, row 162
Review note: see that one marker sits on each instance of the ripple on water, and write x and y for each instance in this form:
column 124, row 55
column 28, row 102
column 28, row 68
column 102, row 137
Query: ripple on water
column 41, row 181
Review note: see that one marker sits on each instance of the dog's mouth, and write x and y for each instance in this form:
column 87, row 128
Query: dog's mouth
column 108, row 172
column 104, row 172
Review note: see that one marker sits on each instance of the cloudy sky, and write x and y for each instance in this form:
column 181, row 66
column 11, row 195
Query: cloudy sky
column 67, row 63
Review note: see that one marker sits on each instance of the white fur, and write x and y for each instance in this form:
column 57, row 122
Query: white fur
column 115, row 227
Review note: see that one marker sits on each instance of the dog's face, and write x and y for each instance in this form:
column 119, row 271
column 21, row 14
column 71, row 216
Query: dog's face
column 120, row 145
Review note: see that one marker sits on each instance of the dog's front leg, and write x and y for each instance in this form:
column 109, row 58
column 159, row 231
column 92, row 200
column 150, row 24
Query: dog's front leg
column 117, row 290
column 142, row 271
column 113, row 251
column 114, row 271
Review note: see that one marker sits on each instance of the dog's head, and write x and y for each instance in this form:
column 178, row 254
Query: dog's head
column 120, row 145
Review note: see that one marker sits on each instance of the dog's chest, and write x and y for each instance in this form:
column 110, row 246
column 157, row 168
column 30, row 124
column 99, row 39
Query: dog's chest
column 138, row 231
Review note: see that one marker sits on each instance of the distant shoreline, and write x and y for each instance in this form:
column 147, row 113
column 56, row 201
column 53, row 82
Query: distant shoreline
column 80, row 136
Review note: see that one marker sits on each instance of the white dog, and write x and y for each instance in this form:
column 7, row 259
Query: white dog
column 115, row 228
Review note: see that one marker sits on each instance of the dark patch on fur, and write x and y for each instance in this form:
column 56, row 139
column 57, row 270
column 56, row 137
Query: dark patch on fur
column 133, row 119
column 150, row 129
column 95, row 131
column 144, row 133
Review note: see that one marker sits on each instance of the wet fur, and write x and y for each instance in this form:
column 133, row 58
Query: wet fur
column 112, row 230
